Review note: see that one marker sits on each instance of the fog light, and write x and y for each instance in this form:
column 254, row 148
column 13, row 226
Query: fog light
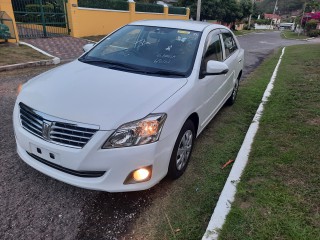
column 139, row 175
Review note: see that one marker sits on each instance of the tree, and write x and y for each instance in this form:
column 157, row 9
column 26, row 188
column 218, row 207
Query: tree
column 246, row 7
column 313, row 5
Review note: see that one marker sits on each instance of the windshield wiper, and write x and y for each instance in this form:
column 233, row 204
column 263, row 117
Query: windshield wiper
column 167, row 73
column 111, row 64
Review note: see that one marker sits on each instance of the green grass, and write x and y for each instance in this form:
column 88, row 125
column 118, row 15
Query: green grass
column 186, row 205
column 12, row 54
column 293, row 35
column 278, row 196
column 244, row 32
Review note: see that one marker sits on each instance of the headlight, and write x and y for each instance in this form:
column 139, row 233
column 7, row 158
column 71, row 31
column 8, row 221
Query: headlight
column 144, row 131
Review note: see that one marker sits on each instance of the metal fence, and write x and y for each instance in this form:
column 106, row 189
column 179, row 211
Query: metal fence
column 40, row 18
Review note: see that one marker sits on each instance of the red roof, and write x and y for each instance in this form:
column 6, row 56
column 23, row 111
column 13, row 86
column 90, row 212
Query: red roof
column 271, row 16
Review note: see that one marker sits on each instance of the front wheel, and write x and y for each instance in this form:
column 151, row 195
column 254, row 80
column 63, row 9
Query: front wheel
column 231, row 100
column 182, row 150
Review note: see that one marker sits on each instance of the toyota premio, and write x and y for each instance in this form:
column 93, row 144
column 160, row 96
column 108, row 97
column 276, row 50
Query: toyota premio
column 127, row 112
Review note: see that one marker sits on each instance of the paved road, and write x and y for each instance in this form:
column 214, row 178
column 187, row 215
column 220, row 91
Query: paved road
column 34, row 206
column 259, row 45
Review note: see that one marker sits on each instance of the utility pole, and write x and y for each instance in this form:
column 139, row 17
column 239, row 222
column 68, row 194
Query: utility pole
column 198, row 10
column 274, row 11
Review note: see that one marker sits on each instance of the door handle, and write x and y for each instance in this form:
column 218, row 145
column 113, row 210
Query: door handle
column 240, row 60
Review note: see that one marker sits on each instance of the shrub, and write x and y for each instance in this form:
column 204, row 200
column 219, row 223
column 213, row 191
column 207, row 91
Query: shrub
column 263, row 21
column 37, row 8
column 4, row 32
column 146, row 7
column 105, row 4
column 177, row 10
column 311, row 25
column 314, row 33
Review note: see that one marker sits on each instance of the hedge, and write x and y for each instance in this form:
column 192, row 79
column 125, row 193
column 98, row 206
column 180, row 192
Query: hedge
column 177, row 10
column 105, row 4
column 146, row 7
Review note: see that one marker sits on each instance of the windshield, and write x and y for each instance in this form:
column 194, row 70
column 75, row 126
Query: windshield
column 149, row 50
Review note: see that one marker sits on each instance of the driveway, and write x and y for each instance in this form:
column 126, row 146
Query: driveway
column 34, row 206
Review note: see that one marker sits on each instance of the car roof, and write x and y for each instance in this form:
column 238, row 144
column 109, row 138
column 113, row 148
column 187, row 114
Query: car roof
column 181, row 24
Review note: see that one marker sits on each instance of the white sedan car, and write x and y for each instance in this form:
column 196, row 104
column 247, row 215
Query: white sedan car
column 127, row 112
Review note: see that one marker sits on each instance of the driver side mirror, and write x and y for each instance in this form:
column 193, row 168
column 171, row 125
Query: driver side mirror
column 216, row 68
column 88, row 47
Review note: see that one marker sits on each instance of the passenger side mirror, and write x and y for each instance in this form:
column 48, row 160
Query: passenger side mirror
column 216, row 68
column 88, row 47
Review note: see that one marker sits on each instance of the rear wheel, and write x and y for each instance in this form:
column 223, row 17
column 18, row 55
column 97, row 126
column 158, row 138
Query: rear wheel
column 231, row 100
column 182, row 150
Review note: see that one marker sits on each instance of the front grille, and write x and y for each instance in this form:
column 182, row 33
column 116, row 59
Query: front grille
column 56, row 130
column 88, row 174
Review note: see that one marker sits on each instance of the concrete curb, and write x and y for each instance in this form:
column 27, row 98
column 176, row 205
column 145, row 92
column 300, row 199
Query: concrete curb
column 28, row 64
column 226, row 198
column 53, row 61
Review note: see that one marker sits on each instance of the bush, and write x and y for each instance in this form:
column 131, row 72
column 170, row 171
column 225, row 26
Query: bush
column 146, row 7
column 262, row 21
column 177, row 10
column 105, row 4
column 314, row 33
column 4, row 32
column 311, row 28
column 37, row 8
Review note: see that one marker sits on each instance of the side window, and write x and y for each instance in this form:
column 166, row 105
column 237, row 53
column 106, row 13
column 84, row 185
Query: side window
column 229, row 44
column 214, row 50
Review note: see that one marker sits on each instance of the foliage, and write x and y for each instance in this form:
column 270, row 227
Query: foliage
column 105, row 4
column 310, row 28
column 311, row 25
column 37, row 8
column 4, row 32
column 227, row 11
column 177, row 10
column 262, row 21
column 314, row 33
column 146, row 7
column 313, row 5
column 284, row 7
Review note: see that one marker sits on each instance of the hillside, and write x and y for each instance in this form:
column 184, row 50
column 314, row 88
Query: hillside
column 284, row 6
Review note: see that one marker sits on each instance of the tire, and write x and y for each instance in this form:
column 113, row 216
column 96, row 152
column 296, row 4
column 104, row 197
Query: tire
column 231, row 100
column 182, row 150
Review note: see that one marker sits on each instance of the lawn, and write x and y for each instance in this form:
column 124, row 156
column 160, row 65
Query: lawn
column 293, row 35
column 244, row 32
column 182, row 209
column 278, row 196
column 12, row 54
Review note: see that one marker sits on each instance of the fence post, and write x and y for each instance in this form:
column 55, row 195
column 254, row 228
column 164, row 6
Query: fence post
column 72, row 9
column 166, row 11
column 6, row 6
column 188, row 13
column 132, row 10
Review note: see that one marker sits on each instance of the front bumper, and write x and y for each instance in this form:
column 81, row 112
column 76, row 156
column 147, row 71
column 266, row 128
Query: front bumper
column 115, row 164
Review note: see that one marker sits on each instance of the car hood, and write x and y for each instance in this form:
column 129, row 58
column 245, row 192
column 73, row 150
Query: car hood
column 95, row 95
